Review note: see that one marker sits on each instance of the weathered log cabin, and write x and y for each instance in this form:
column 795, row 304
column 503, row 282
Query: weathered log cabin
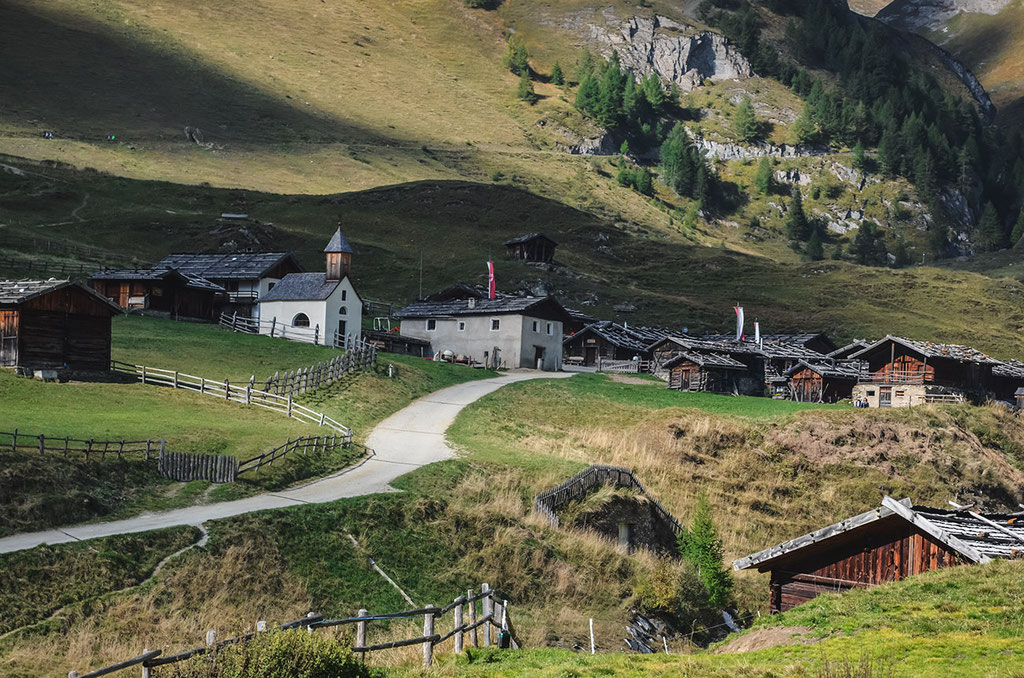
column 822, row 382
column 531, row 247
column 605, row 340
column 54, row 325
column 818, row 342
column 900, row 372
column 704, row 371
column 890, row 543
column 748, row 381
column 1007, row 380
column 165, row 292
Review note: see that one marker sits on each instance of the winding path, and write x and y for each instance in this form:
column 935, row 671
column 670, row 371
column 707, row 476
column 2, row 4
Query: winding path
column 408, row 439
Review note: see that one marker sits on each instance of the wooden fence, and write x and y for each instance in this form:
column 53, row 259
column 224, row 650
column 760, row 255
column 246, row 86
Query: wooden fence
column 360, row 355
column 547, row 502
column 493, row 615
column 42, row 444
column 186, row 467
column 307, row 443
column 225, row 390
column 624, row 366
column 276, row 329
column 49, row 269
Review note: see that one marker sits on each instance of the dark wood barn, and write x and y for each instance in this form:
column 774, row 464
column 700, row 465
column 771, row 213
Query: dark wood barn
column 900, row 372
column 54, row 325
column 609, row 341
column 532, row 247
column 1007, row 380
column 887, row 544
column 822, row 382
column 164, row 292
column 708, row 372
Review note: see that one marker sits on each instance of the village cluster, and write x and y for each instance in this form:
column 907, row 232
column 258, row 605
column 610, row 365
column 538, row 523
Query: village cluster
column 55, row 325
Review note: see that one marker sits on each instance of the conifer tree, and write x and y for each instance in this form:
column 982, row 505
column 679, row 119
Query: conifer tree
column 797, row 226
column 702, row 547
column 624, row 148
column 803, row 130
column 654, row 92
column 746, row 121
column 1018, row 231
column 557, row 77
column 691, row 216
column 588, row 94
column 860, row 161
column 585, row 65
column 643, row 182
column 989, row 232
column 516, row 59
column 765, row 176
column 814, row 249
column 525, row 90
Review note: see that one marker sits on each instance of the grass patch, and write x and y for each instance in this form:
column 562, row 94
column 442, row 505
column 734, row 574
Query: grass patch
column 35, row 583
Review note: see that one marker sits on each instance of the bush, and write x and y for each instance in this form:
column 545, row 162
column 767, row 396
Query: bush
column 295, row 654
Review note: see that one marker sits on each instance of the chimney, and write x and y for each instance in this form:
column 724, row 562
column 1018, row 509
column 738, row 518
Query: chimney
column 472, row 302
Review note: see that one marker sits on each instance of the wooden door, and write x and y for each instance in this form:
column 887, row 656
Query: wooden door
column 885, row 396
column 8, row 338
column 590, row 356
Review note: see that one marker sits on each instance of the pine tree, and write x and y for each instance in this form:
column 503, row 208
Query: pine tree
column 525, row 91
column 814, row 249
column 989, row 232
column 557, row 77
column 643, row 182
column 797, row 226
column 516, row 59
column 691, row 216
column 702, row 547
column 803, row 130
column 624, row 148
column 625, row 175
column 584, row 65
column 1017, row 237
column 860, row 161
column 765, row 178
column 588, row 94
column 746, row 121
column 654, row 92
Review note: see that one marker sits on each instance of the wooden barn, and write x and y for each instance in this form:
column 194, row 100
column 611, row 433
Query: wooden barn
column 54, row 325
column 704, row 371
column 531, row 247
column 1007, row 380
column 901, row 372
column 162, row 292
column 609, row 341
column 887, row 544
column 822, row 382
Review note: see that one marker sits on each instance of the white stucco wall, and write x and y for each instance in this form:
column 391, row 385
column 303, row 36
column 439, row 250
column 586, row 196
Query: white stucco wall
column 322, row 313
column 515, row 339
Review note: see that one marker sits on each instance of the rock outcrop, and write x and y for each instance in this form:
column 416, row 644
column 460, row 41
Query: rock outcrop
column 676, row 52
column 722, row 150
column 935, row 14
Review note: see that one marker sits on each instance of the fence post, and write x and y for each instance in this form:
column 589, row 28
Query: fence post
column 458, row 627
column 472, row 617
column 145, row 669
column 309, row 629
column 163, row 446
column 289, row 405
column 227, row 390
column 248, row 393
column 261, row 626
column 488, row 608
column 428, row 630
column 202, row 384
column 143, row 374
column 361, row 634
column 322, row 415
column 72, row 674
column 316, row 334
column 234, row 321
column 42, row 443
column 14, row 441
column 211, row 638
column 273, row 324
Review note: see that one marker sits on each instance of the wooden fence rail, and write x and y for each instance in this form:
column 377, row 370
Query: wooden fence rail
column 580, row 484
column 49, row 269
column 624, row 366
column 15, row 441
column 186, row 467
column 494, row 614
column 360, row 355
column 307, row 444
column 225, row 390
column 308, row 335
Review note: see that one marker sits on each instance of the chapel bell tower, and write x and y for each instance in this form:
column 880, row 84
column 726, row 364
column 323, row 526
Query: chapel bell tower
column 339, row 257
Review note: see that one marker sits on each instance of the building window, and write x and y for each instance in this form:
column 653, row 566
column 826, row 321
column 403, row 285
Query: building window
column 270, row 286
column 495, row 324
column 871, row 394
column 462, row 326
column 431, row 325
column 301, row 320
column 551, row 329
column 536, row 326
column 344, row 295
column 343, row 310
column 899, row 394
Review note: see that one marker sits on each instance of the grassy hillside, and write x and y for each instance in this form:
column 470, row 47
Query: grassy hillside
column 46, row 491
column 605, row 267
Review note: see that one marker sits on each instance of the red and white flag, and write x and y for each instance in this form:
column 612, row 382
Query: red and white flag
column 739, row 323
column 491, row 291
column 757, row 332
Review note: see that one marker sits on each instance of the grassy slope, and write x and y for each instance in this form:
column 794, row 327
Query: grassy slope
column 456, row 226
column 53, row 491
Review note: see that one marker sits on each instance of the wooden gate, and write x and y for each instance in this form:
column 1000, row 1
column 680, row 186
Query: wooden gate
column 185, row 467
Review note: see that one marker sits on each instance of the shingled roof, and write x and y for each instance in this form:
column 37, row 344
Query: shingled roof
column 964, row 354
column 630, row 338
column 16, row 292
column 977, row 537
column 302, row 287
column 152, row 274
column 709, row 360
column 463, row 307
column 1011, row 369
column 338, row 243
column 853, row 347
column 238, row 266
column 527, row 238
column 827, row 369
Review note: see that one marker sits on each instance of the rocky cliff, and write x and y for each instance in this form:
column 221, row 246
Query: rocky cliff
column 934, row 14
column 676, row 52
